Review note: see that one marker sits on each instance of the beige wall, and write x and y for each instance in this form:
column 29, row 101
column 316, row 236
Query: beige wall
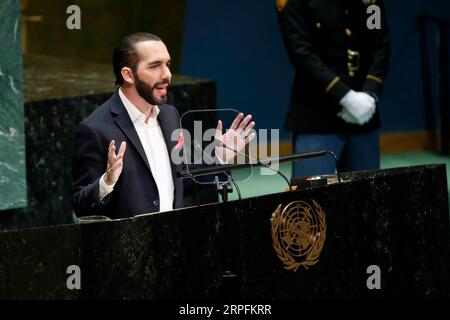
column 103, row 24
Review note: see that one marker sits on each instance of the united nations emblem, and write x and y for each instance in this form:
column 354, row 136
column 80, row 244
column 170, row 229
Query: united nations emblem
column 298, row 233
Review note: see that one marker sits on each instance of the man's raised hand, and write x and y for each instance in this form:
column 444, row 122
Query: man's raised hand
column 236, row 137
column 115, row 162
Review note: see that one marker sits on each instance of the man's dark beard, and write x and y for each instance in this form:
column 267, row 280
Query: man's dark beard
column 146, row 91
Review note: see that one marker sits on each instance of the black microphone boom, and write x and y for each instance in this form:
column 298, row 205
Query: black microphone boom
column 226, row 167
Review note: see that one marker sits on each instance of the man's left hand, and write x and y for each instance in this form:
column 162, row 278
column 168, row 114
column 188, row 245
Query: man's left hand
column 236, row 137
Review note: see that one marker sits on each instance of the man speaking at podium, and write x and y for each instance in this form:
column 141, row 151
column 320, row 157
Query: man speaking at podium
column 122, row 164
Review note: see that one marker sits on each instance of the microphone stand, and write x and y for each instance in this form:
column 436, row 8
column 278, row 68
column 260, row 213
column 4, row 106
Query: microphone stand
column 223, row 187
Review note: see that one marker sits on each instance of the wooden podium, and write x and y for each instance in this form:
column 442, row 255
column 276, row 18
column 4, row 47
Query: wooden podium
column 380, row 234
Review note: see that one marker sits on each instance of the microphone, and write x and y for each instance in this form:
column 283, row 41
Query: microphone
column 197, row 146
column 258, row 162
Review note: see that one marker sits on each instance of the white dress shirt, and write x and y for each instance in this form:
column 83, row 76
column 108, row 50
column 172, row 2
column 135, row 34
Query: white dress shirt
column 155, row 148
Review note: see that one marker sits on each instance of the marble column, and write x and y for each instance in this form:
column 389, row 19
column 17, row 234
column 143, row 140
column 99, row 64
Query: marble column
column 12, row 138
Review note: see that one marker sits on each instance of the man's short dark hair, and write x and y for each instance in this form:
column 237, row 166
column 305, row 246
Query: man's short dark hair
column 125, row 54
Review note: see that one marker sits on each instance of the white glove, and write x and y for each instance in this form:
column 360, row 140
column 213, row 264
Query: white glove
column 358, row 107
column 347, row 117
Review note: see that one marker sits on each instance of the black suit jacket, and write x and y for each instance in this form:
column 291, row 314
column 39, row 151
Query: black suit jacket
column 318, row 35
column 135, row 192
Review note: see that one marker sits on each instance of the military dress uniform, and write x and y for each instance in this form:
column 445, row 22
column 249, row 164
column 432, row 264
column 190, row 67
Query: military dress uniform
column 333, row 51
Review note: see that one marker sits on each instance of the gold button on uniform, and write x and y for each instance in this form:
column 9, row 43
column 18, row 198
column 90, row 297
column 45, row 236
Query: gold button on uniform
column 318, row 25
column 351, row 73
column 348, row 32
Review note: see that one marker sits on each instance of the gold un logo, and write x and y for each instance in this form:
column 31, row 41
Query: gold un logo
column 298, row 233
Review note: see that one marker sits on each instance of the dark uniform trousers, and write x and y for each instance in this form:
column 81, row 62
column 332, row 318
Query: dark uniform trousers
column 333, row 51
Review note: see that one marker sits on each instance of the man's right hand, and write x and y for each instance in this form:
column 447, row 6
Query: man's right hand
column 359, row 105
column 115, row 162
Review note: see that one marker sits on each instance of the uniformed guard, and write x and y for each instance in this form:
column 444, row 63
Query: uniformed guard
column 341, row 65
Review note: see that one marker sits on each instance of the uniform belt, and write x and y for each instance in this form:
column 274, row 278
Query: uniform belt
column 350, row 62
column 353, row 58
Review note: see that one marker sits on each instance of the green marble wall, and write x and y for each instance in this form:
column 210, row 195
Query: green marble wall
column 12, row 144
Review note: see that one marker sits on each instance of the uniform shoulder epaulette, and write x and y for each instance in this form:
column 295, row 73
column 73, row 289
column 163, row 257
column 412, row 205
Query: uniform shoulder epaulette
column 281, row 4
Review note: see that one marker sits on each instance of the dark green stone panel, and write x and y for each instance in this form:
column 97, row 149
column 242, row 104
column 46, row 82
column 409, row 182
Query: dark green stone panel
column 12, row 144
column 396, row 219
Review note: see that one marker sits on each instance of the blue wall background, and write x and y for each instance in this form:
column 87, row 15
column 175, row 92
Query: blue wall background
column 238, row 44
